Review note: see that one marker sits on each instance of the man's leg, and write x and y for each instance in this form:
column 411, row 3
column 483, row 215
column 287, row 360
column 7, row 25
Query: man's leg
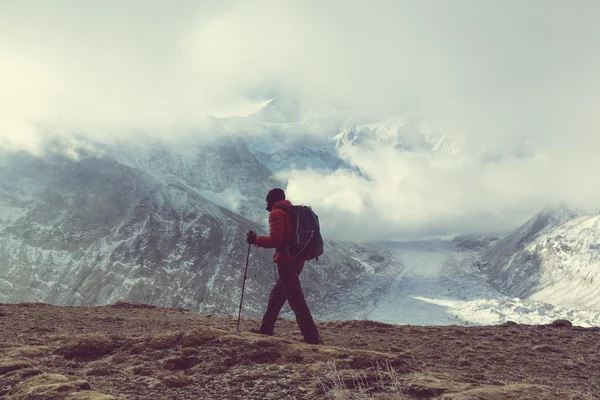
column 290, row 282
column 276, row 301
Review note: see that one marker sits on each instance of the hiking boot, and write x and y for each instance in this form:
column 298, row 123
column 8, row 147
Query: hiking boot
column 254, row 330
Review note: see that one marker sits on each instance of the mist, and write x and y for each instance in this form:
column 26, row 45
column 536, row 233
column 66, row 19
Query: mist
column 497, row 74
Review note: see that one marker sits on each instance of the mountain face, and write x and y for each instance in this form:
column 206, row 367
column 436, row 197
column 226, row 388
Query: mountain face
column 145, row 223
column 279, row 150
column 223, row 171
column 399, row 133
column 554, row 257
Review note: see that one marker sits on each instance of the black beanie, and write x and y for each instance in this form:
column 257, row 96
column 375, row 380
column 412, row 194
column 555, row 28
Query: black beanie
column 275, row 195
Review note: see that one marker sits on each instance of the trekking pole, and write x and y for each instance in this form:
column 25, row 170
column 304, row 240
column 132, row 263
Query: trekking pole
column 243, row 287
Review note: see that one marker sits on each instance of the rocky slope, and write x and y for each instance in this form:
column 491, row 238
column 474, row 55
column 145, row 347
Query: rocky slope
column 554, row 257
column 224, row 171
column 136, row 351
column 105, row 227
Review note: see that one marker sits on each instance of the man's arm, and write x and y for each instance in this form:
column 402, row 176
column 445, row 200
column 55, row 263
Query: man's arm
column 276, row 231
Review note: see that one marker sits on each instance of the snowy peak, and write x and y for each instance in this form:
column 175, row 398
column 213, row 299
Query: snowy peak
column 400, row 133
column 319, row 119
column 280, row 110
column 539, row 225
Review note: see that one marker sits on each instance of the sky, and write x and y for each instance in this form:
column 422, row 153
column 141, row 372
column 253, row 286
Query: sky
column 497, row 73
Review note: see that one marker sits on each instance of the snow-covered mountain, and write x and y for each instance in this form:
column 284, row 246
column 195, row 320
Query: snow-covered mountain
column 554, row 257
column 224, row 171
column 164, row 222
column 400, row 133
column 138, row 224
column 283, row 149
column 441, row 283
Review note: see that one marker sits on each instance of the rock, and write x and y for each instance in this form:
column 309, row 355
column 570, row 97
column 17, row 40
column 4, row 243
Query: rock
column 561, row 323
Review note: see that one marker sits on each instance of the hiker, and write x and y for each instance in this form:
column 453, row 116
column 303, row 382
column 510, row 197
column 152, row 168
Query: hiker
column 287, row 287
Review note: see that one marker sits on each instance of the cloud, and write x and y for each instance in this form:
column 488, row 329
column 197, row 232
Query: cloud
column 496, row 73
column 471, row 64
column 416, row 195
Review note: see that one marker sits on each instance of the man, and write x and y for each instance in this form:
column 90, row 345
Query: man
column 287, row 287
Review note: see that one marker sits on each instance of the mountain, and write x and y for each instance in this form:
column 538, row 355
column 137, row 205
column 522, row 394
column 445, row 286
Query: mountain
column 554, row 257
column 281, row 149
column 164, row 221
column 224, row 170
column 399, row 133
column 137, row 223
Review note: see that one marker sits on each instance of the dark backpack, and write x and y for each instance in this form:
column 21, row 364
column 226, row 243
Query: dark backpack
column 306, row 243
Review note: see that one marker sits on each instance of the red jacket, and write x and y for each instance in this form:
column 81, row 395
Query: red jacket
column 280, row 230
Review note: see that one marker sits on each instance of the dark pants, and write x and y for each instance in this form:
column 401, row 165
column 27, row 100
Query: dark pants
column 288, row 288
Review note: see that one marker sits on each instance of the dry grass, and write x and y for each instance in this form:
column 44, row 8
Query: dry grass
column 88, row 347
column 55, row 387
column 138, row 352
column 377, row 383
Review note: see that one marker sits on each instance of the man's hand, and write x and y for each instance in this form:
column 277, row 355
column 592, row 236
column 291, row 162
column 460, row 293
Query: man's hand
column 251, row 237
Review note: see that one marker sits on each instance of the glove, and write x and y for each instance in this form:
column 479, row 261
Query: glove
column 251, row 238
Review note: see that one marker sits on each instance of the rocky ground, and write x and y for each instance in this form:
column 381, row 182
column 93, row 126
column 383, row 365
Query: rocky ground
column 136, row 351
